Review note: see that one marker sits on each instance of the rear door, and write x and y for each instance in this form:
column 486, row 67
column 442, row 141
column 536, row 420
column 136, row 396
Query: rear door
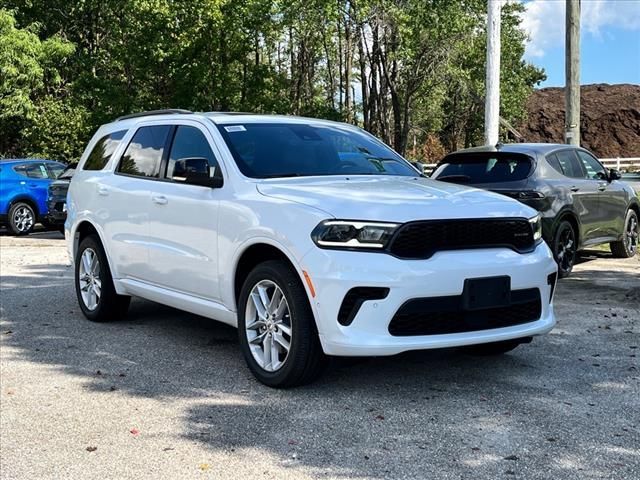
column 124, row 200
column 584, row 193
column 183, row 219
column 612, row 196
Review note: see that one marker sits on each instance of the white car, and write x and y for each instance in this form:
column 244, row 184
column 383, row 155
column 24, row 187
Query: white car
column 312, row 237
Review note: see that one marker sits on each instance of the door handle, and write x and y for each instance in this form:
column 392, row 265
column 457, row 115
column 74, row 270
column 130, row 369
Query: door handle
column 602, row 187
column 574, row 189
column 102, row 190
column 160, row 199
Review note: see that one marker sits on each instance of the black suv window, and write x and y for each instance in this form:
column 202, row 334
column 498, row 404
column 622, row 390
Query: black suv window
column 188, row 150
column 569, row 164
column 102, row 151
column 144, row 153
column 32, row 170
column 594, row 170
column 484, row 167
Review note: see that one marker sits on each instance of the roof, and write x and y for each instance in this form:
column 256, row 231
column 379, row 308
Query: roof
column 219, row 118
column 26, row 160
column 526, row 148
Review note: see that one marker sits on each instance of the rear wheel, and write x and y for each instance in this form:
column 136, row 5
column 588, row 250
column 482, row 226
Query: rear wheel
column 22, row 218
column 276, row 327
column 96, row 294
column 565, row 248
column 628, row 246
column 494, row 348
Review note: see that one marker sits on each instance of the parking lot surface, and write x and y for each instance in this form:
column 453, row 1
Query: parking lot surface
column 166, row 394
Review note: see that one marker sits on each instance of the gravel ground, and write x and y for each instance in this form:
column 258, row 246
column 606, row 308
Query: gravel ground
column 166, row 394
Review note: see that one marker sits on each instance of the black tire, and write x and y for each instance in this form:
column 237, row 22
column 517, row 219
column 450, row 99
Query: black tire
column 494, row 348
column 629, row 245
column 305, row 359
column 109, row 305
column 22, row 218
column 565, row 248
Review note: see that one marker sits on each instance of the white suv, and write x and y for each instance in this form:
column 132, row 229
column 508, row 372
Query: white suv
column 312, row 237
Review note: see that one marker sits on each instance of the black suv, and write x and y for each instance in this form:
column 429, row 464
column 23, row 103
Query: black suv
column 581, row 202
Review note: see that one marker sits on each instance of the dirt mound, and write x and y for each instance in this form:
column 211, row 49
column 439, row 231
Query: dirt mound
column 610, row 118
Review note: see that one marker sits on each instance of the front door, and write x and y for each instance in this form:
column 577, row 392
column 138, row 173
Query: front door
column 183, row 221
column 612, row 196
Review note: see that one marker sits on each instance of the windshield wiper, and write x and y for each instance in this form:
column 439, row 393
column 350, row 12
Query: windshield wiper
column 460, row 178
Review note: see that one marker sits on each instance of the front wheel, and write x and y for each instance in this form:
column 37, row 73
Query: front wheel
column 96, row 294
column 628, row 246
column 276, row 327
column 565, row 248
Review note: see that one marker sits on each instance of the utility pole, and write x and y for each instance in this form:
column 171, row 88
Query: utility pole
column 572, row 73
column 492, row 84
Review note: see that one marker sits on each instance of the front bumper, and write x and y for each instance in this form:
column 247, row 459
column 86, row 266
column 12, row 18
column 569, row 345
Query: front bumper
column 335, row 272
column 57, row 213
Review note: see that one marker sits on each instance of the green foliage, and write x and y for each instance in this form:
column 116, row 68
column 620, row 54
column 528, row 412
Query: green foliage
column 407, row 70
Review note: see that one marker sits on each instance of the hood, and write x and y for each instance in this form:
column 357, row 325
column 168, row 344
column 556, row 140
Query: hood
column 393, row 198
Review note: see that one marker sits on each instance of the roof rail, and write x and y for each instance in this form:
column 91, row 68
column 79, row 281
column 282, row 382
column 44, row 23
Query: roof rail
column 154, row 112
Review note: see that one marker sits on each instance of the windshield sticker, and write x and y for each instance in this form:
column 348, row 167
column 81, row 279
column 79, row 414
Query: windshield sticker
column 235, row 128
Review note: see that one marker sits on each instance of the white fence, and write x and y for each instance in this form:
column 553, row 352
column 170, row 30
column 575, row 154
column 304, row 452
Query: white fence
column 630, row 164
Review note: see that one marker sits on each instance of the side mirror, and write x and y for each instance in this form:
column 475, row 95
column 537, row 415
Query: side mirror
column 614, row 174
column 196, row 171
column 419, row 166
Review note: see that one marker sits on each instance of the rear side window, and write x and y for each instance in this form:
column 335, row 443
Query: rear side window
column 569, row 164
column 102, row 151
column 32, row 170
column 484, row 167
column 143, row 155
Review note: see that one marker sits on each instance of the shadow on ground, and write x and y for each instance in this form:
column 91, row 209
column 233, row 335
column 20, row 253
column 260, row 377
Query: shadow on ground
column 564, row 406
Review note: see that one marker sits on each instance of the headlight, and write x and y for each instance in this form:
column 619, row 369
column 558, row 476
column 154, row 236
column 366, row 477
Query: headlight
column 353, row 234
column 536, row 226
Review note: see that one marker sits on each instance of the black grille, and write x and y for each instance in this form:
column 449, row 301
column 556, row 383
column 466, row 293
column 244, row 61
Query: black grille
column 354, row 299
column 422, row 239
column 442, row 315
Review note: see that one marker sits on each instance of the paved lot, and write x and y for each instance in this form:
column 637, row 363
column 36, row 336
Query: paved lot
column 166, row 394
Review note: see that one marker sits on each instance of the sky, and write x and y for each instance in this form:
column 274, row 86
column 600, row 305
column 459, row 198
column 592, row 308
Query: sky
column 609, row 41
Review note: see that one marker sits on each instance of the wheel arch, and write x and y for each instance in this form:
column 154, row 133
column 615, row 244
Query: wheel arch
column 25, row 199
column 85, row 228
column 572, row 218
column 257, row 252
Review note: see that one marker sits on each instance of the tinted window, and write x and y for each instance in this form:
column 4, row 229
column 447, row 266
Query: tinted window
column 553, row 161
column 190, row 143
column 102, row 151
column 281, row 149
column 592, row 167
column 32, row 170
column 484, row 167
column 569, row 164
column 144, row 153
column 55, row 169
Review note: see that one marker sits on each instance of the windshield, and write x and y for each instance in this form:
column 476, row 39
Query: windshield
column 270, row 150
column 483, row 167
column 68, row 172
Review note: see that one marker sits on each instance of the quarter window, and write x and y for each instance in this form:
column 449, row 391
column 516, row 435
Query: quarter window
column 569, row 164
column 143, row 155
column 189, row 147
column 32, row 170
column 594, row 170
column 102, row 151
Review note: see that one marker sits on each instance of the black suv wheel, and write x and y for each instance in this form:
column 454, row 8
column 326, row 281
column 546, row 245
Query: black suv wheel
column 628, row 246
column 565, row 248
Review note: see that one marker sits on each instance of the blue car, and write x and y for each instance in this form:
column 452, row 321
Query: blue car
column 24, row 186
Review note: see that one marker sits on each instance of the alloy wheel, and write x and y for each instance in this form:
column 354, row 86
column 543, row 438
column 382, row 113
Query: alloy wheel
column 89, row 278
column 268, row 325
column 631, row 234
column 566, row 249
column 23, row 219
